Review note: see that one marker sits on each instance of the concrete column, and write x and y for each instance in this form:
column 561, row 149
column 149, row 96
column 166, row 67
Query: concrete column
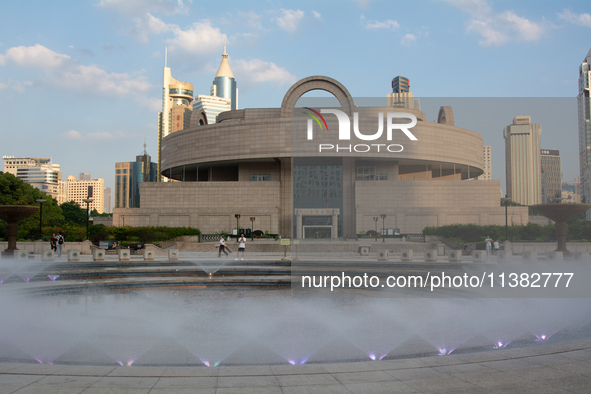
column 299, row 226
column 286, row 199
column 335, row 226
column 349, row 211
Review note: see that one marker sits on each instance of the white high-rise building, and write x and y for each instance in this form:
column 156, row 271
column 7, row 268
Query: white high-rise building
column 212, row 106
column 78, row 190
column 486, row 164
column 39, row 172
column 584, row 107
column 176, row 108
column 523, row 161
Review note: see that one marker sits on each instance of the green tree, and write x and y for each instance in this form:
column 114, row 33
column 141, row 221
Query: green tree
column 73, row 213
column 13, row 191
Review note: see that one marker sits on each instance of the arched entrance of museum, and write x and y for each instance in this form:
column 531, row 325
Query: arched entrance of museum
column 317, row 182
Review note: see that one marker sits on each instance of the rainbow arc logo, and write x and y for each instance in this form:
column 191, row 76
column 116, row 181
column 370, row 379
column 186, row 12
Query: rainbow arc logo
column 315, row 116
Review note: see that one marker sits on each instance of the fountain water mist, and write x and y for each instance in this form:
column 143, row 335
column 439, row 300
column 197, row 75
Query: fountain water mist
column 236, row 327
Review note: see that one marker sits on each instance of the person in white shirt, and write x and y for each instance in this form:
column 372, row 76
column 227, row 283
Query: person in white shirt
column 488, row 241
column 222, row 247
column 241, row 246
column 497, row 246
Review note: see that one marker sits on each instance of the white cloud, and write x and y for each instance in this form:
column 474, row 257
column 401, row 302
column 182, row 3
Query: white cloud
column 140, row 7
column 146, row 25
column 259, row 71
column 101, row 136
column 498, row 28
column 408, row 39
column 316, row 14
column 63, row 72
column 290, row 20
column 577, row 19
column 252, row 19
column 72, row 135
column 15, row 85
column 201, row 38
column 389, row 24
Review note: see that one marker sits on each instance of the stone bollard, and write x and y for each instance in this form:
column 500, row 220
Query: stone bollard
column 364, row 250
column 431, row 255
column 124, row 254
column 406, row 255
column 479, row 256
column 382, row 255
column 148, row 255
column 98, row 255
column 173, row 254
column 20, row 255
column 73, row 255
column 47, row 255
column 455, row 256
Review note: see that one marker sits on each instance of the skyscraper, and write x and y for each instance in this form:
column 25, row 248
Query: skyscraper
column 401, row 95
column 176, row 107
column 39, row 172
column 584, row 107
column 522, row 161
column 551, row 176
column 78, row 190
column 129, row 176
column 487, row 165
column 224, row 83
column 212, row 106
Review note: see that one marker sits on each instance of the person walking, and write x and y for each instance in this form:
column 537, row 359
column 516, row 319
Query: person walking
column 488, row 241
column 222, row 247
column 241, row 246
column 59, row 243
column 497, row 246
column 53, row 243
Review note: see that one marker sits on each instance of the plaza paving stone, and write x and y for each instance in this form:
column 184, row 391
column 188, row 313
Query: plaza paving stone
column 557, row 368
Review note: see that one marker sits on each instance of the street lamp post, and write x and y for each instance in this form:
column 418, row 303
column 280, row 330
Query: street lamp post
column 252, row 229
column 506, row 200
column 237, row 216
column 40, row 201
column 383, row 216
column 87, row 201
column 375, row 219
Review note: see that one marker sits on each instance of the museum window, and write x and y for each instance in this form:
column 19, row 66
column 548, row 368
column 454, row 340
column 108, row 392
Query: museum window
column 260, row 177
column 368, row 173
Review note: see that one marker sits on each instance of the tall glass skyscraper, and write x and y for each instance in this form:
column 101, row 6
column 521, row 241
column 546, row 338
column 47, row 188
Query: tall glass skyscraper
column 584, row 107
column 224, row 83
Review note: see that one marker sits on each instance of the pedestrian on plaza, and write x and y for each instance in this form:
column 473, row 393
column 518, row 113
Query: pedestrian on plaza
column 488, row 241
column 53, row 242
column 59, row 243
column 241, row 246
column 222, row 247
column 497, row 246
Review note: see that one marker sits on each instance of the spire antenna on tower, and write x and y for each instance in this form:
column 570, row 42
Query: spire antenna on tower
column 224, row 44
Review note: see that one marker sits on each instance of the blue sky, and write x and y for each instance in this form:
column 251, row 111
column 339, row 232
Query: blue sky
column 80, row 81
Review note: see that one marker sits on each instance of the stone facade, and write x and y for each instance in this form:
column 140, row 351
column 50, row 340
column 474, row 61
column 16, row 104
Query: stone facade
column 247, row 162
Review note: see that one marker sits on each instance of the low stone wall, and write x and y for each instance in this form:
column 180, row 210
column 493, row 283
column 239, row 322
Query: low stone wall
column 316, row 247
column 545, row 247
column 37, row 247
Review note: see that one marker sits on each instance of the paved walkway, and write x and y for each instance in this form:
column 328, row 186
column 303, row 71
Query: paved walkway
column 557, row 368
